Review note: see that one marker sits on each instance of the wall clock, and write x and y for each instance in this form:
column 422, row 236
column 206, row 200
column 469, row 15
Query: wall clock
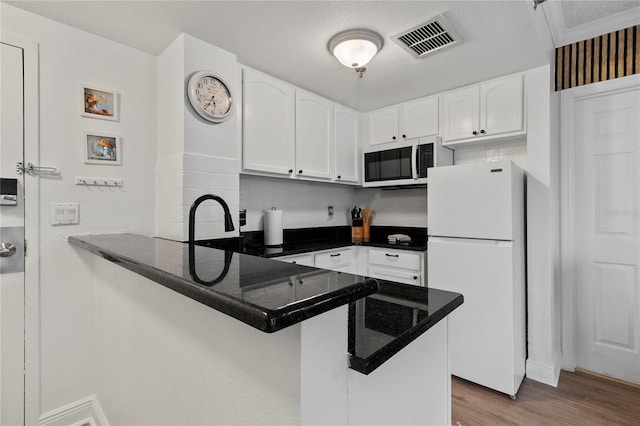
column 210, row 96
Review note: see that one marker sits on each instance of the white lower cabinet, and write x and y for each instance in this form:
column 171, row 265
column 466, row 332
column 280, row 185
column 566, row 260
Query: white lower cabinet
column 401, row 266
column 305, row 259
column 336, row 260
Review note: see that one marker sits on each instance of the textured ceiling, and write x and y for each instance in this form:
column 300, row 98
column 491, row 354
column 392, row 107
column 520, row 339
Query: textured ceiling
column 288, row 39
column 576, row 13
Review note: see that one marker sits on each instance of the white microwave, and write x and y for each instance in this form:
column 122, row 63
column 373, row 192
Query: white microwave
column 404, row 163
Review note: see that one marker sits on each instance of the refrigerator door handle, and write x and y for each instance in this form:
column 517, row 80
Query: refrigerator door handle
column 472, row 241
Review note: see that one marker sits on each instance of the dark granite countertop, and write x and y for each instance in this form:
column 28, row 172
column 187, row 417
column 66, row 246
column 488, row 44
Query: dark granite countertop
column 381, row 324
column 263, row 293
column 305, row 240
column 269, row 295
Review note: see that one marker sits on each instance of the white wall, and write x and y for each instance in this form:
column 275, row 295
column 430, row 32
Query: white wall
column 195, row 157
column 542, row 361
column 165, row 359
column 396, row 207
column 305, row 203
column 69, row 58
column 514, row 150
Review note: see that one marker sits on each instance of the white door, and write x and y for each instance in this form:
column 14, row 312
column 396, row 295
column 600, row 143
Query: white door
column 314, row 136
column 268, row 124
column 474, row 200
column 607, row 221
column 419, row 118
column 347, row 152
column 461, row 114
column 502, row 106
column 383, row 126
column 486, row 333
column 12, row 240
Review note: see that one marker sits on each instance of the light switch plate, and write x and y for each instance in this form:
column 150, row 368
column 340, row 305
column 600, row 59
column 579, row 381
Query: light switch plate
column 65, row 214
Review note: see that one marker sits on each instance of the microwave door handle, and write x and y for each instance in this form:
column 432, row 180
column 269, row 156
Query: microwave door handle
column 414, row 161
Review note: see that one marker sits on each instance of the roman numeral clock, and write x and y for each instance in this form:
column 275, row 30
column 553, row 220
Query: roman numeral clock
column 210, row 96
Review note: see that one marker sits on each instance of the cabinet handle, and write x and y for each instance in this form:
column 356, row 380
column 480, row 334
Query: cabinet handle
column 335, row 255
column 394, row 138
column 392, row 255
column 415, row 277
column 300, row 171
column 290, row 170
column 475, row 133
column 404, row 136
column 293, row 261
column 482, row 131
column 339, row 177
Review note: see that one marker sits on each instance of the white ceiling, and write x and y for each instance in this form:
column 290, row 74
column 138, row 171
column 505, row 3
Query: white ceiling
column 288, row 39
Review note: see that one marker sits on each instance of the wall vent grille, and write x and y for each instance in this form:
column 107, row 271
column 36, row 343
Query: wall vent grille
column 427, row 38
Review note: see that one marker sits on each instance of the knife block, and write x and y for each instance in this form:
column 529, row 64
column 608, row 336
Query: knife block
column 357, row 231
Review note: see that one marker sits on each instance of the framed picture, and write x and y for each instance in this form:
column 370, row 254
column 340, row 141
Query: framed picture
column 102, row 148
column 99, row 103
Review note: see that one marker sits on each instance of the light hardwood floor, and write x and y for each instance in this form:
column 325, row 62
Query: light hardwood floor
column 580, row 399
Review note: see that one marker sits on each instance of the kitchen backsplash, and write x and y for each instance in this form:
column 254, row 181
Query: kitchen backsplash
column 515, row 150
column 305, row 203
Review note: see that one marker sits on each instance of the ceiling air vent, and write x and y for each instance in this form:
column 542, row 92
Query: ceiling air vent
column 427, row 38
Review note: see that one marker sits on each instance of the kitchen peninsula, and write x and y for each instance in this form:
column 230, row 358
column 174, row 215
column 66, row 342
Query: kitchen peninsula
column 322, row 347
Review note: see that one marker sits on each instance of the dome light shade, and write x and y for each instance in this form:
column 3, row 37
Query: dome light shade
column 355, row 48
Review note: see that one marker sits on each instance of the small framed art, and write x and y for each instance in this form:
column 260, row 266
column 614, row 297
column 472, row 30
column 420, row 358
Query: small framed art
column 102, row 148
column 99, row 103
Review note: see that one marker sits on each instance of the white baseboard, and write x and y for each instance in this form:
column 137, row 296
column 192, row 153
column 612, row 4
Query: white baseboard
column 548, row 375
column 85, row 410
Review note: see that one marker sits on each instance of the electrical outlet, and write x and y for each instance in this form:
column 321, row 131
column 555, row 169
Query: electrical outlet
column 330, row 212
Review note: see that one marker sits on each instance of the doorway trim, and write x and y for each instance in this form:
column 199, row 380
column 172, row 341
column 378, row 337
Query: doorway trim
column 569, row 98
column 31, row 131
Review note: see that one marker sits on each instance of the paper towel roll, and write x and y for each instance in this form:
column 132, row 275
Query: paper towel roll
column 273, row 228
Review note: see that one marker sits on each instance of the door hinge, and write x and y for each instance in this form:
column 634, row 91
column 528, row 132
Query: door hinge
column 25, row 248
column 32, row 170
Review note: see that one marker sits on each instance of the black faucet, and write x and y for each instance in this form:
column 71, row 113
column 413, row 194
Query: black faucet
column 228, row 222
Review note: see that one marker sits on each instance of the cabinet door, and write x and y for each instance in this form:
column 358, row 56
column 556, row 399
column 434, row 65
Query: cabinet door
column 305, row 259
column 502, row 106
column 460, row 114
column 336, row 260
column 268, row 124
column 347, row 147
column 383, row 126
column 395, row 275
column 314, row 136
column 419, row 118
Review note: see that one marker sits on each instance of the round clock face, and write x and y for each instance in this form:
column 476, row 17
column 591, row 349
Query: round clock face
column 210, row 96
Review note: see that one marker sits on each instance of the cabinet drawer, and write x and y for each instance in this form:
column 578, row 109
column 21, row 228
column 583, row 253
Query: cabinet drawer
column 395, row 259
column 300, row 259
column 334, row 259
column 395, row 275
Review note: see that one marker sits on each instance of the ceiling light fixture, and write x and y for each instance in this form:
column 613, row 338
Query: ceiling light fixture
column 355, row 48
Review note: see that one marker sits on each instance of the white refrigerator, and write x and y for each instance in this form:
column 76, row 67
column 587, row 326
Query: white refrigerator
column 476, row 247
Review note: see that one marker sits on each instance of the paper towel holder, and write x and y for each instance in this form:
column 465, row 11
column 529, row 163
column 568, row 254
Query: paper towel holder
column 271, row 239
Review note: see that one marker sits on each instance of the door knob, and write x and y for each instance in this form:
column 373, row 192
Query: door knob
column 7, row 249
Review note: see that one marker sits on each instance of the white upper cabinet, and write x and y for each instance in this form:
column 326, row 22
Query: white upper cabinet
column 410, row 120
column 419, row 118
column 314, row 136
column 484, row 112
column 347, row 147
column 461, row 115
column 502, row 105
column 383, row 125
column 268, row 130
